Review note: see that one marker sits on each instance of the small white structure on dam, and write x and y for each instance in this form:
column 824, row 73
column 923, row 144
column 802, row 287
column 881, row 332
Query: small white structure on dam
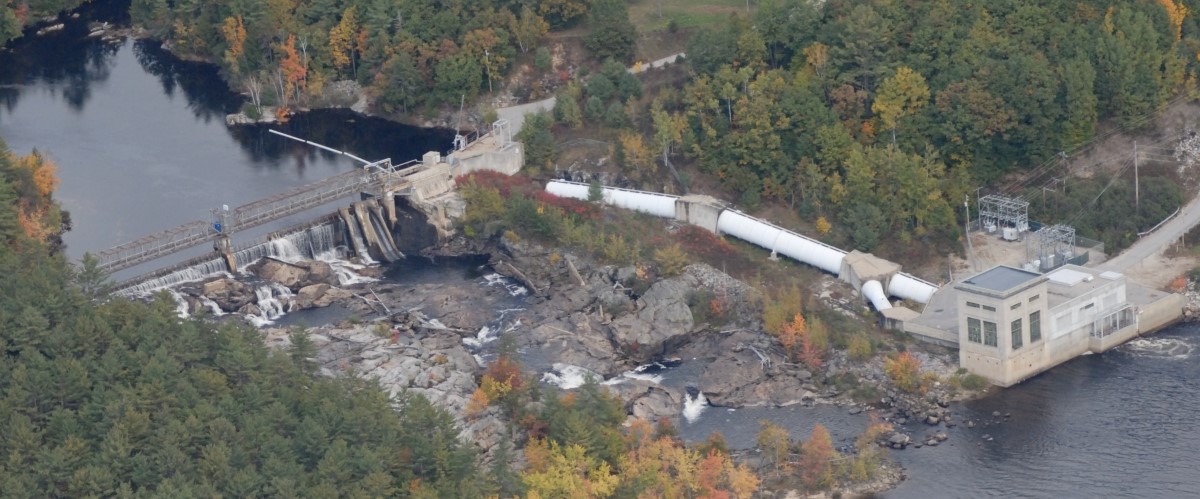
column 873, row 276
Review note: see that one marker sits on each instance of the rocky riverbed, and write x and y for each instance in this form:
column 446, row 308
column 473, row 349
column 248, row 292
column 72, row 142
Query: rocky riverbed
column 569, row 317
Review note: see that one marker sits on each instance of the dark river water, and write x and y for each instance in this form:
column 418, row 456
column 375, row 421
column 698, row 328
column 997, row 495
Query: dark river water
column 141, row 142
column 141, row 145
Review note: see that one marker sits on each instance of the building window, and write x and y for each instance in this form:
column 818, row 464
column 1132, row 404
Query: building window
column 1015, row 306
column 972, row 304
column 1016, row 335
column 973, row 331
column 989, row 309
column 989, row 333
column 1090, row 305
column 1035, row 326
column 1034, row 298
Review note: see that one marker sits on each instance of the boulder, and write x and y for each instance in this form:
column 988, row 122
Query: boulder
column 250, row 309
column 331, row 296
column 663, row 318
column 319, row 272
column 308, row 295
column 278, row 271
column 898, row 440
column 229, row 294
column 581, row 342
column 932, row 420
column 648, row 400
column 739, row 380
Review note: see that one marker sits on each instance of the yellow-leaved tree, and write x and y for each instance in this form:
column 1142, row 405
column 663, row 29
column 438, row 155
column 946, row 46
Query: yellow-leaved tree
column 899, row 96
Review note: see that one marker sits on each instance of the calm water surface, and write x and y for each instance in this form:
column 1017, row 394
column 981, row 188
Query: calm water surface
column 141, row 142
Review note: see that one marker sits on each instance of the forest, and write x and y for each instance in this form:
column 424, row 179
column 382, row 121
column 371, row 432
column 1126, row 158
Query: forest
column 875, row 116
column 882, row 115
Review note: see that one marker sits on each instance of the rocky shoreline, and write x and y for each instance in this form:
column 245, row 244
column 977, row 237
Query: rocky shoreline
column 430, row 338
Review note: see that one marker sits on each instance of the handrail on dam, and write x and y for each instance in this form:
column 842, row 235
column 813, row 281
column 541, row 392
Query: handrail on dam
column 253, row 214
column 155, row 245
column 400, row 178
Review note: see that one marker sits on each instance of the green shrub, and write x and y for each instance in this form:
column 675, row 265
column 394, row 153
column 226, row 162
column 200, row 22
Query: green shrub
column 541, row 58
column 251, row 111
column 860, row 348
column 671, row 260
column 974, row 382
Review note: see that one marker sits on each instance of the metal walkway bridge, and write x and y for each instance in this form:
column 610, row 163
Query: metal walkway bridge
column 226, row 222
column 379, row 176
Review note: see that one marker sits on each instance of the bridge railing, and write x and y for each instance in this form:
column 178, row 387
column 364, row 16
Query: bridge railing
column 259, row 212
column 299, row 199
column 155, row 245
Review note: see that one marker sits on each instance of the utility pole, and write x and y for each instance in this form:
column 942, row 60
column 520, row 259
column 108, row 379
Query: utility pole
column 1137, row 198
column 967, row 233
column 488, row 66
column 977, row 189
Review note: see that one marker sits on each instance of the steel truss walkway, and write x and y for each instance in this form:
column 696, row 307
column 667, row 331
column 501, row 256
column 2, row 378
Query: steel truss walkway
column 263, row 211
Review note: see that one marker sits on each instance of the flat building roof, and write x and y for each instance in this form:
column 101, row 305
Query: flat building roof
column 1001, row 278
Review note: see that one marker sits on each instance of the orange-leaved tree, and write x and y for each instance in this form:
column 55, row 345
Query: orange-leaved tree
column 904, row 370
column 816, row 459
column 292, row 73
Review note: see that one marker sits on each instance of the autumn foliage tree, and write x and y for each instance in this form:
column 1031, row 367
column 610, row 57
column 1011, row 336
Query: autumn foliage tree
column 816, row 459
column 774, row 442
column 342, row 39
column 292, row 74
column 33, row 179
column 905, row 371
column 233, row 29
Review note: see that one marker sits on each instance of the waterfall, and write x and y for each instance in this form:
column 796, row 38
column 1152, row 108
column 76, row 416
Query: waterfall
column 273, row 300
column 384, row 236
column 197, row 272
column 694, row 406
column 356, row 237
column 181, row 304
column 384, row 230
column 318, row 242
column 211, row 306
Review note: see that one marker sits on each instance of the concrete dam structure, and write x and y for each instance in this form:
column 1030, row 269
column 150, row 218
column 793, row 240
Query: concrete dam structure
column 869, row 274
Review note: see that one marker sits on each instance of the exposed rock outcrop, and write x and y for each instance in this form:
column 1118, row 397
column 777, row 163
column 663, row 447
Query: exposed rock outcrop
column 662, row 319
column 740, row 369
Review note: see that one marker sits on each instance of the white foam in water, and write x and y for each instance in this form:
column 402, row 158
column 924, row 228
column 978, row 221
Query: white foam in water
column 694, row 407
column 568, row 376
column 273, row 300
column 181, row 304
column 285, row 249
column 638, row 372
column 343, row 269
column 1163, row 348
column 483, row 336
column 205, row 270
column 512, row 288
column 211, row 305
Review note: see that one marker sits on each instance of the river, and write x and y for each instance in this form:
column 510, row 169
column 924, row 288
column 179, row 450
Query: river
column 141, row 145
